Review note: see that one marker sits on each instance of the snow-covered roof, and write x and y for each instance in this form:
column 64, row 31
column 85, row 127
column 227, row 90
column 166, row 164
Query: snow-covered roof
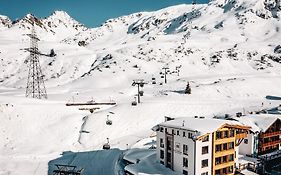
column 242, row 159
column 149, row 165
column 258, row 122
column 200, row 125
column 135, row 155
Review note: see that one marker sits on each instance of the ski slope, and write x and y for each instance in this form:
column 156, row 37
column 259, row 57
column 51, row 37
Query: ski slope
column 226, row 50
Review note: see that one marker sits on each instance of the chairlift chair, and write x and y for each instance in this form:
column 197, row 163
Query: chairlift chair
column 134, row 103
column 141, row 93
column 108, row 122
column 106, row 146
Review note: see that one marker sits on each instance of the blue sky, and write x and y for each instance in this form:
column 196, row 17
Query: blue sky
column 89, row 12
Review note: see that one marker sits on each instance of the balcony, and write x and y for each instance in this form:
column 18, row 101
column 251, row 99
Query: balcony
column 273, row 143
column 224, row 165
column 224, row 152
column 225, row 140
column 241, row 135
column 271, row 134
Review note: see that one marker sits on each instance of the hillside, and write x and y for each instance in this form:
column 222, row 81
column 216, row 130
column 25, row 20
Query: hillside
column 229, row 51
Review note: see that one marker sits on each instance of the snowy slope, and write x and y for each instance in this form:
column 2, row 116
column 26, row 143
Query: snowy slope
column 226, row 49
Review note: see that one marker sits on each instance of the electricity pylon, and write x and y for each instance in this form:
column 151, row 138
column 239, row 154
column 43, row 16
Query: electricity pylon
column 35, row 87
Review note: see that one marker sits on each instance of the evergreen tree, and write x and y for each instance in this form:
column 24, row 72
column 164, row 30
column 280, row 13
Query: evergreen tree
column 187, row 89
column 52, row 53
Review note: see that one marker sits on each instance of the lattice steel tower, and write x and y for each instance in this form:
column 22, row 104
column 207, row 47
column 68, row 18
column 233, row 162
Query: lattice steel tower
column 35, row 87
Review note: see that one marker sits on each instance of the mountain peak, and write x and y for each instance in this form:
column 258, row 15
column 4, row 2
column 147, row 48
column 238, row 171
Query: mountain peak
column 29, row 15
column 5, row 21
column 60, row 13
column 61, row 18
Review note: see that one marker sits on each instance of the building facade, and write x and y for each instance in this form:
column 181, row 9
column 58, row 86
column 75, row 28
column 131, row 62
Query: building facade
column 270, row 139
column 264, row 137
column 199, row 146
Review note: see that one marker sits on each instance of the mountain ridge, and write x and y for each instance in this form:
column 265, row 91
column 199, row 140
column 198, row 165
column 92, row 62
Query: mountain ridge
column 205, row 35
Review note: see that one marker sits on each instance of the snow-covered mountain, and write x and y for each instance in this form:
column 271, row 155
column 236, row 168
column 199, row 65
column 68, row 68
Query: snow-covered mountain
column 209, row 34
column 55, row 27
column 229, row 51
column 5, row 22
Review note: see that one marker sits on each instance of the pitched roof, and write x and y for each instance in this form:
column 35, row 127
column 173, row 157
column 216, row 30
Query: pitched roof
column 258, row 122
column 200, row 125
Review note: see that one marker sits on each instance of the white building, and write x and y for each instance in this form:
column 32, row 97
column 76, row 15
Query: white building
column 199, row 146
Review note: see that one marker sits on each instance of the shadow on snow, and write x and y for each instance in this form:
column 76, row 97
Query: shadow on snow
column 101, row 162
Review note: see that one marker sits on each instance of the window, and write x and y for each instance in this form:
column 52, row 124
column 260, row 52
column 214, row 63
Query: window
column 178, row 132
column 205, row 139
column 231, row 158
column 226, row 135
column 178, row 147
column 224, row 146
column 218, row 161
column 231, row 133
column 184, row 172
column 217, row 172
column 173, row 132
column 185, row 149
column 169, row 144
column 205, row 150
column 231, row 145
column 190, row 135
column 230, row 169
column 161, row 154
column 166, row 130
column 161, row 129
column 246, row 141
column 218, row 135
column 205, row 173
column 169, row 157
column 224, row 159
column 218, row 148
column 161, row 143
column 204, row 163
column 224, row 171
column 183, row 134
column 185, row 162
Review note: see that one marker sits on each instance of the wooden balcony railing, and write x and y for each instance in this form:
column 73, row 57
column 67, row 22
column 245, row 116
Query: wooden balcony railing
column 271, row 134
column 241, row 135
column 224, row 165
column 271, row 143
